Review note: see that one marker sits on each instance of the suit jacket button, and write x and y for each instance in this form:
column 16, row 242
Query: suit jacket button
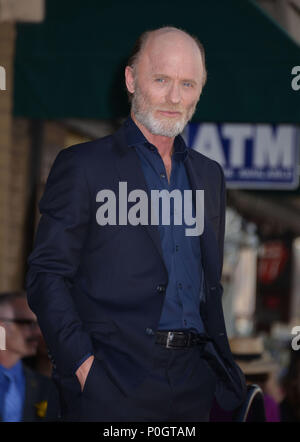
column 161, row 288
column 149, row 331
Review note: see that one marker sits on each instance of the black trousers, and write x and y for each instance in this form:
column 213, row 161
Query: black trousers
column 181, row 387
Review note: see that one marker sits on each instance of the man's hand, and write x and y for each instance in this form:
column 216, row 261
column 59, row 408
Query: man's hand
column 83, row 370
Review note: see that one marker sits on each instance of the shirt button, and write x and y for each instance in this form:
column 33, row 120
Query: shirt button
column 161, row 288
column 149, row 331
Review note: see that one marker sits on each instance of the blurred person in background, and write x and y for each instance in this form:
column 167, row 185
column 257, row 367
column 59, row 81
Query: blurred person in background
column 290, row 405
column 259, row 368
column 43, row 364
column 40, row 361
column 23, row 393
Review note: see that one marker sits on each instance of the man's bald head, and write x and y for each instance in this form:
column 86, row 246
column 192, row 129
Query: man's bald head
column 166, row 34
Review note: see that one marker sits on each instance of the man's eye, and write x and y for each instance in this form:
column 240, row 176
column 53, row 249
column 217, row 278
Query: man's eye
column 159, row 80
column 187, row 84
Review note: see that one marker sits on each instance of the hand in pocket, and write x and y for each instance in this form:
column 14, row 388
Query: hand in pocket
column 83, row 371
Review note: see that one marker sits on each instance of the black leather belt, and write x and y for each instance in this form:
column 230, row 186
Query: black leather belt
column 179, row 339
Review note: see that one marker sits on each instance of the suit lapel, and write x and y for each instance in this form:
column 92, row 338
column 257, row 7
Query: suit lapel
column 208, row 240
column 130, row 170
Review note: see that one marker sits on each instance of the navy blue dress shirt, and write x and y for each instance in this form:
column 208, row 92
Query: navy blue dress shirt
column 182, row 253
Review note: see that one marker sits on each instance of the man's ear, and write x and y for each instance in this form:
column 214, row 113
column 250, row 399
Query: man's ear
column 129, row 79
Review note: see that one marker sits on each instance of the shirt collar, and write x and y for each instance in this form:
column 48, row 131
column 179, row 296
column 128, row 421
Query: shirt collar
column 135, row 138
column 16, row 370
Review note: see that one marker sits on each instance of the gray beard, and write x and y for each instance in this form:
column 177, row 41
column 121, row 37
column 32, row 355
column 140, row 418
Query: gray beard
column 155, row 126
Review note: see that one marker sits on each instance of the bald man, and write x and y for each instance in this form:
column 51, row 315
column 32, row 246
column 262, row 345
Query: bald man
column 125, row 273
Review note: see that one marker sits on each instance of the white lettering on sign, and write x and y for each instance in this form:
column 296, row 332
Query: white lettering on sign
column 273, row 149
column 270, row 147
column 207, row 141
column 256, row 156
column 237, row 134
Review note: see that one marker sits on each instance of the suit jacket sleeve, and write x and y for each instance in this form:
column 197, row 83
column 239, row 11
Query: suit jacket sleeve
column 61, row 234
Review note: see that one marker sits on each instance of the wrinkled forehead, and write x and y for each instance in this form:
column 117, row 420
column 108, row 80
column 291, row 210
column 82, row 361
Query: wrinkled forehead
column 171, row 52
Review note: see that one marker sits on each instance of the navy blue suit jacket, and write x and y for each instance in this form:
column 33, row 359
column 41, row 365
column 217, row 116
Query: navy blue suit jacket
column 100, row 289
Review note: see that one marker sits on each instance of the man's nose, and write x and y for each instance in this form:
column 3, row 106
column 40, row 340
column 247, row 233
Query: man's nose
column 174, row 95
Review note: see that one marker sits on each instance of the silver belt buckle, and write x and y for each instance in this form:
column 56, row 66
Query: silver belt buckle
column 169, row 339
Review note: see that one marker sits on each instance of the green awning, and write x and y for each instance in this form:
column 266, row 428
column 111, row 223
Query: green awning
column 72, row 64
